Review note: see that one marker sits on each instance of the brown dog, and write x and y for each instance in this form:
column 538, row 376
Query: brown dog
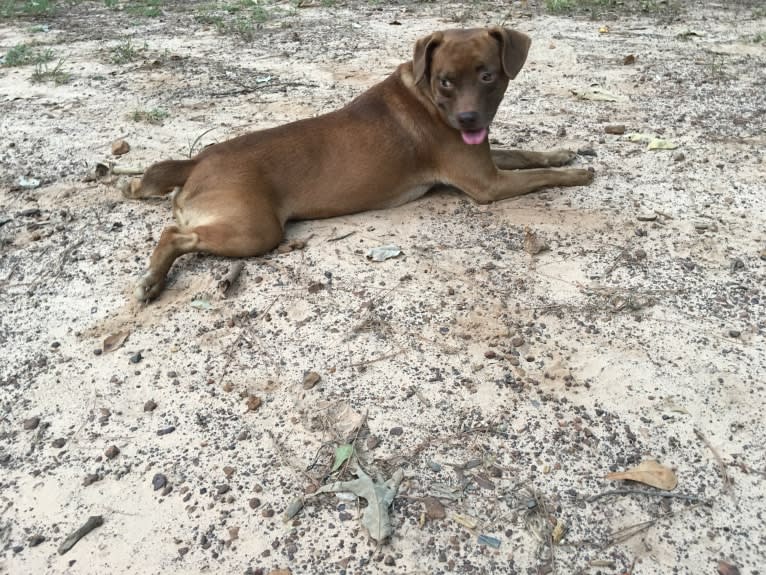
column 425, row 125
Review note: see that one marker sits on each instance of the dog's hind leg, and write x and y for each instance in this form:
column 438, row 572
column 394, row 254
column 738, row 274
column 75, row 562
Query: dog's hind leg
column 229, row 234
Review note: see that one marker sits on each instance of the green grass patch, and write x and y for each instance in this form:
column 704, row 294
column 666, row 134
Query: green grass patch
column 154, row 116
column 24, row 54
column 56, row 74
column 144, row 8
column 125, row 52
column 15, row 8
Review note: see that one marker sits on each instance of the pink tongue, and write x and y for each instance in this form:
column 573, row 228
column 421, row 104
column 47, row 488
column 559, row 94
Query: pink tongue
column 474, row 137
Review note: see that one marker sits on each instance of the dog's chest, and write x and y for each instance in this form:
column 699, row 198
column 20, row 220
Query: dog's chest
column 409, row 195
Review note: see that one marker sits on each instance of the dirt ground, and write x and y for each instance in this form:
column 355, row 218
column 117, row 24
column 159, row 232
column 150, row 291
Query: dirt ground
column 505, row 384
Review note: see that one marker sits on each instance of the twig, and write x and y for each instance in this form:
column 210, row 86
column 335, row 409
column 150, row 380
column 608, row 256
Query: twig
column 377, row 359
column 644, row 492
column 722, row 466
column 622, row 535
column 343, row 237
column 231, row 276
column 198, row 138
column 92, row 522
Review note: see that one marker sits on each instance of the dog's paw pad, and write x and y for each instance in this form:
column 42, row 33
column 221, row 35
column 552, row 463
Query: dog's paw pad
column 147, row 288
column 561, row 157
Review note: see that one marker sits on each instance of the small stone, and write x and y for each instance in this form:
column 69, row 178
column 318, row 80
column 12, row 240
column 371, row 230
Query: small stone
column 112, row 451
column 222, row 489
column 136, row 357
column 167, row 490
column 396, row 431
column 228, row 471
column 617, row 129
column 640, row 254
column 253, row 403
column 372, row 442
column 35, row 540
column 435, row 467
column 183, row 551
column 678, row 156
column 254, row 503
column 561, row 132
column 586, row 151
column 120, row 147
column 159, row 481
column 166, row 430
column 268, row 512
column 90, row 479
column 646, row 217
column 389, row 561
column 227, row 387
column 513, row 360
column 31, row 423
column 243, row 435
column 489, row 354
column 233, row 533
column 150, row 405
column 517, row 341
column 311, row 379
column 58, row 443
column 734, row 333
column 434, row 508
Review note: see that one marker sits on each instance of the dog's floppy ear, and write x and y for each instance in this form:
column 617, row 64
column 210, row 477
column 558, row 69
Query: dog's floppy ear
column 421, row 60
column 514, row 47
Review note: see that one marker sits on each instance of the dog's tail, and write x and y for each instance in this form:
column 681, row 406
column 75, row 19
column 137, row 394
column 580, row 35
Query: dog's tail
column 160, row 179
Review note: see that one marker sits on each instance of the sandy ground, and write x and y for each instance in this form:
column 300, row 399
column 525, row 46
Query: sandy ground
column 504, row 384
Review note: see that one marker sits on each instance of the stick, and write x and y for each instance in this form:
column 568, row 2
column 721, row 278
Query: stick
column 691, row 498
column 231, row 277
column 92, row 522
column 343, row 237
column 724, row 475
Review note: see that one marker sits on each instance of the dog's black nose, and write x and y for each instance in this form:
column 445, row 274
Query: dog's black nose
column 468, row 120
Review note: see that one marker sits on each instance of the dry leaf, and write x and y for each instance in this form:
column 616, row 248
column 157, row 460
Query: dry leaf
column 725, row 568
column 115, row 341
column 379, row 496
column 660, row 144
column 597, row 95
column 532, row 244
column 651, row 473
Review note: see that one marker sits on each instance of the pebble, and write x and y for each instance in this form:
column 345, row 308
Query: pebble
column 678, row 156
column 222, row 489
column 489, row 354
column 617, row 129
column 166, row 430
column 183, row 551
column 269, row 512
column 90, row 479
column 517, row 341
column 243, row 435
column 640, row 254
column 435, row 467
column 372, row 442
column 159, row 481
column 112, row 451
column 434, row 508
column 396, row 431
column 150, row 405
column 513, row 360
column 31, row 423
column 228, row 471
column 58, row 443
column 120, row 147
column 734, row 333
column 646, row 217
column 254, row 503
column 253, row 403
column 311, row 379
column 136, row 357
column 586, row 151
column 35, row 540
column 167, row 490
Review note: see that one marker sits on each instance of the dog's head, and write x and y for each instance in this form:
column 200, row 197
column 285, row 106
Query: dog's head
column 466, row 72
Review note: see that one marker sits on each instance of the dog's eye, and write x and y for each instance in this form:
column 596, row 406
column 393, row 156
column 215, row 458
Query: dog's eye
column 487, row 77
column 444, row 83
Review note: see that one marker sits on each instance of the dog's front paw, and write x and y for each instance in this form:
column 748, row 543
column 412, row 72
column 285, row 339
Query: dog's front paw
column 561, row 157
column 585, row 177
column 148, row 287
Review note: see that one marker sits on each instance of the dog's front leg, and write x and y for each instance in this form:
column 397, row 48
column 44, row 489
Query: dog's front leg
column 523, row 159
column 509, row 183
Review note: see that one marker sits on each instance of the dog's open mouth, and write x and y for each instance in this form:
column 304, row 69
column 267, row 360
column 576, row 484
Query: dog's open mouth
column 474, row 137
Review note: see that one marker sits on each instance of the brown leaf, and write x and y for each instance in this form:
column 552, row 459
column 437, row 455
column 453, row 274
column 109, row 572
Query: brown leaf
column 115, row 341
column 651, row 473
column 253, row 403
column 533, row 244
column 725, row 568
